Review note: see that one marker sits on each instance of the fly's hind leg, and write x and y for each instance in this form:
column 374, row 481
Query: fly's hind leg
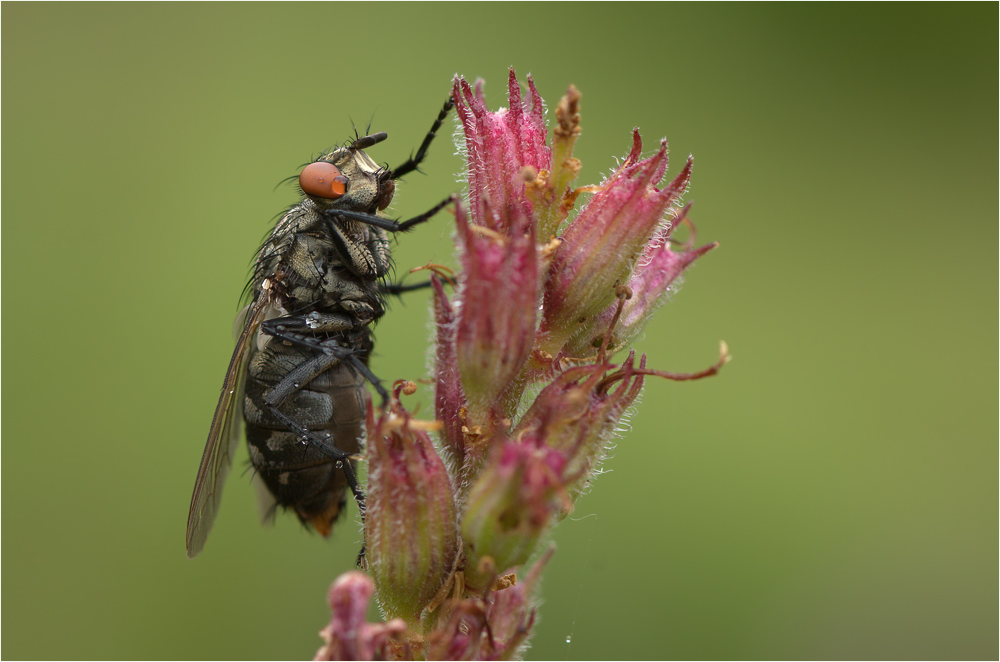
column 335, row 352
column 342, row 459
column 289, row 385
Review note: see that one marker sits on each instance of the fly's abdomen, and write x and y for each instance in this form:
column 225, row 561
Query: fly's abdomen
column 303, row 475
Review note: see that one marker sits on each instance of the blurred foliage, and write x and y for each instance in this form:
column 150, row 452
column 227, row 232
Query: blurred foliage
column 832, row 494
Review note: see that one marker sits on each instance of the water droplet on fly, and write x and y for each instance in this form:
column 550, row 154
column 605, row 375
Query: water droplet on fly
column 340, row 465
column 568, row 637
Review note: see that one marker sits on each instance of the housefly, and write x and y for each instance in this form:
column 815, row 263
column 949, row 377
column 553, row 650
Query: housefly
column 297, row 377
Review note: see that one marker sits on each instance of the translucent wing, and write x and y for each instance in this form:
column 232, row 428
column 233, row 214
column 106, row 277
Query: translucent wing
column 224, row 436
column 266, row 503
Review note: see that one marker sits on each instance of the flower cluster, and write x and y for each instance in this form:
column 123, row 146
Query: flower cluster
column 544, row 299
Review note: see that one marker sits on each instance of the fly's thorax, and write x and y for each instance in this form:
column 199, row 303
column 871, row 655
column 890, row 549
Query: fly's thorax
column 300, row 268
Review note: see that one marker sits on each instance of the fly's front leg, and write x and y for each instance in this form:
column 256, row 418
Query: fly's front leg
column 369, row 259
column 388, row 224
column 414, row 161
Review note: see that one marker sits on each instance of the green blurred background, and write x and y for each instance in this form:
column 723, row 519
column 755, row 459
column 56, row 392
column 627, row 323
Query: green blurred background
column 832, row 494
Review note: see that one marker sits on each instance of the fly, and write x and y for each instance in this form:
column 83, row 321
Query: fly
column 297, row 376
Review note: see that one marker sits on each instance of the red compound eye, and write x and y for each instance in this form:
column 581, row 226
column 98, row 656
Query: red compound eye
column 323, row 180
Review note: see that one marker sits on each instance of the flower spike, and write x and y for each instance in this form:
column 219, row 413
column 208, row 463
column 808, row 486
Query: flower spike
column 528, row 395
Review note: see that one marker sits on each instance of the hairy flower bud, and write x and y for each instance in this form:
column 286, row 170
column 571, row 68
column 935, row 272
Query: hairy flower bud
column 499, row 147
column 410, row 531
column 510, row 507
column 496, row 323
column 463, row 636
column 603, row 244
column 449, row 398
column 349, row 636
column 578, row 414
column 656, row 276
column 512, row 612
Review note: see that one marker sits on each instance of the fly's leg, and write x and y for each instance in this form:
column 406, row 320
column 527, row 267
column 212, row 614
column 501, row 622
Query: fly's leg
column 399, row 288
column 314, row 322
column 298, row 378
column 413, row 162
column 368, row 259
column 342, row 459
column 386, row 224
column 364, row 142
column 331, row 348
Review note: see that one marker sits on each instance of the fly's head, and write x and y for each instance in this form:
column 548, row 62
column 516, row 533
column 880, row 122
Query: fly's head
column 347, row 178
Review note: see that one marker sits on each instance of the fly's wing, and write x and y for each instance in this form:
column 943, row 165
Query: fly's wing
column 224, row 436
column 266, row 503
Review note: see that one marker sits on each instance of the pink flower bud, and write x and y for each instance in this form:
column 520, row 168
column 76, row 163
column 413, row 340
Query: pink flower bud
column 656, row 277
column 578, row 413
column 602, row 246
column 465, row 635
column 496, row 322
column 510, row 507
column 449, row 399
column 410, row 530
column 499, row 146
column 512, row 611
column 349, row 636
